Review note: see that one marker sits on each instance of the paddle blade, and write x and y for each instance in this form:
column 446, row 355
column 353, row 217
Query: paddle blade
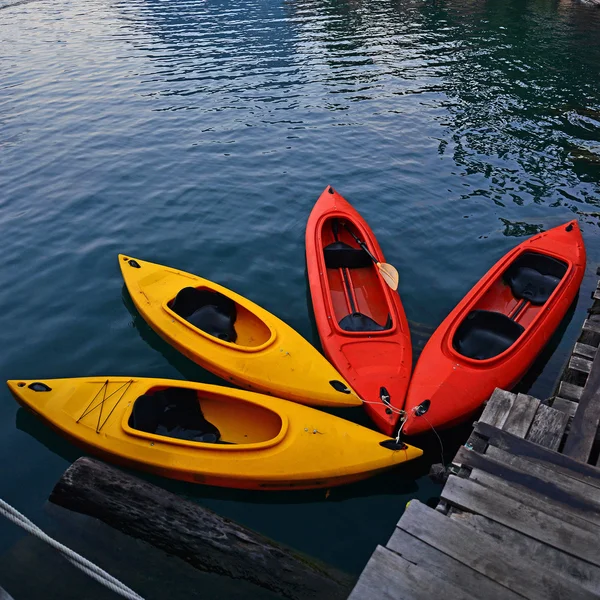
column 389, row 274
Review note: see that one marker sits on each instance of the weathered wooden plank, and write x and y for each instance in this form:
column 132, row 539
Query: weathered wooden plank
column 587, row 417
column 580, row 364
column 497, row 408
column 570, row 391
column 388, row 576
column 556, row 532
column 548, row 427
column 573, row 515
column 447, row 568
column 591, row 325
column 585, row 350
column 573, row 569
column 576, row 488
column 539, row 493
column 554, row 460
column 521, row 415
column 486, row 556
column 567, row 406
column 596, row 294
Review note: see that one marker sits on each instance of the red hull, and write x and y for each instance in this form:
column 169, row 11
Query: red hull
column 368, row 360
column 457, row 384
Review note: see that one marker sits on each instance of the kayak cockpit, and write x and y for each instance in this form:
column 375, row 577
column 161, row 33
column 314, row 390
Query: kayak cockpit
column 508, row 306
column 182, row 414
column 357, row 296
column 220, row 317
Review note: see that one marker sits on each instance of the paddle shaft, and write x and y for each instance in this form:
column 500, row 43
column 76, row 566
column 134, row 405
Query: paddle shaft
column 334, row 229
column 361, row 244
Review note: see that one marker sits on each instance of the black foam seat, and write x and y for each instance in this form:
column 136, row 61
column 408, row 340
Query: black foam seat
column 174, row 412
column 210, row 311
column 340, row 255
column 534, row 277
column 485, row 334
column 359, row 322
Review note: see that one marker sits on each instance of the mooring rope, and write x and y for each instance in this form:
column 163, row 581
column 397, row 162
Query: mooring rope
column 89, row 568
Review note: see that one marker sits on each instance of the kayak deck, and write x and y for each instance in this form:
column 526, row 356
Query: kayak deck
column 493, row 336
column 360, row 319
column 210, row 434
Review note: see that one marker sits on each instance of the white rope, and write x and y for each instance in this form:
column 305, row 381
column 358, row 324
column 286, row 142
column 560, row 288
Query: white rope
column 89, row 568
column 398, row 411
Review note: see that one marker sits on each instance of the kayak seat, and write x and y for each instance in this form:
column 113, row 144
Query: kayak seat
column 210, row 311
column 175, row 413
column 485, row 334
column 340, row 255
column 359, row 322
column 534, row 277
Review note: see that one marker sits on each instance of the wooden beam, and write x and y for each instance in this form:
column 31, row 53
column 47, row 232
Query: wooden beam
column 580, row 364
column 567, row 406
column 538, row 492
column 554, row 531
column 575, row 570
column 548, row 427
column 585, row 350
column 591, row 325
column 514, row 445
column 388, row 576
column 447, row 568
column 570, row 391
column 192, row 532
column 521, row 415
column 587, row 417
column 497, row 408
column 578, row 489
column 487, row 556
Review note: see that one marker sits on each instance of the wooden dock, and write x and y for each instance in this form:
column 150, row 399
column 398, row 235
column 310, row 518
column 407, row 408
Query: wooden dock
column 519, row 515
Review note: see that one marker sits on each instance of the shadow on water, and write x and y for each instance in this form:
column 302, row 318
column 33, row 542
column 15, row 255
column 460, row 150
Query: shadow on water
column 400, row 481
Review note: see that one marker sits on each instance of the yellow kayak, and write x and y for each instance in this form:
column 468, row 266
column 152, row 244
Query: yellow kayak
column 210, row 434
column 233, row 337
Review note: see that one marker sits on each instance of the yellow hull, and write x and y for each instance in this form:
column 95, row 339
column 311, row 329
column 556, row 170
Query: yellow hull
column 269, row 443
column 268, row 356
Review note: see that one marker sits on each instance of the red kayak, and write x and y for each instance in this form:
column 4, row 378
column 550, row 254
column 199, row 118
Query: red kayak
column 495, row 333
column 361, row 322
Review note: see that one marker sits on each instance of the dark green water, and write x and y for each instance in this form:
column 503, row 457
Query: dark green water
column 200, row 133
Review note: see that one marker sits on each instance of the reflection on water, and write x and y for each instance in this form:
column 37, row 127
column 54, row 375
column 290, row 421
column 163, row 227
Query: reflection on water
column 200, row 133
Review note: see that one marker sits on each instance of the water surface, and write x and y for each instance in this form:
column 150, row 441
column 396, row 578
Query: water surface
column 200, row 133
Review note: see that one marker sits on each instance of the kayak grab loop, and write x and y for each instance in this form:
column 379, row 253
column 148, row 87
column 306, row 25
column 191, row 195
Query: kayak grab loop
column 38, row 386
column 338, row 386
column 422, row 408
column 100, row 404
column 384, row 396
column 134, row 263
column 402, row 420
column 393, row 444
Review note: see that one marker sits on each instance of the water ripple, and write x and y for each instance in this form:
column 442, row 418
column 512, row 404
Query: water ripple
column 199, row 134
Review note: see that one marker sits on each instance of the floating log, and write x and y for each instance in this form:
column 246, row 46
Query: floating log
column 194, row 533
